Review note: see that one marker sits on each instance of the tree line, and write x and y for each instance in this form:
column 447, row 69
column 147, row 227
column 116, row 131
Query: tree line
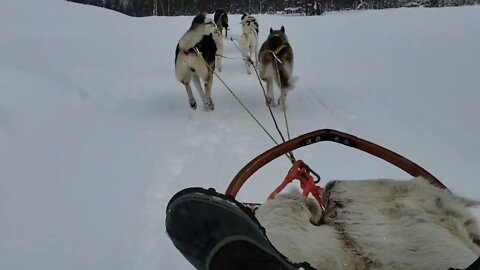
column 141, row 8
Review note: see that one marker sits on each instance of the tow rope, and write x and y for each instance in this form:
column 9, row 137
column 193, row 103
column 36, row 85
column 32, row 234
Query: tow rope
column 299, row 169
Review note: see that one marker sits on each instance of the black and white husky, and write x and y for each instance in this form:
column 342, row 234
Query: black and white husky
column 195, row 59
column 276, row 64
column 248, row 41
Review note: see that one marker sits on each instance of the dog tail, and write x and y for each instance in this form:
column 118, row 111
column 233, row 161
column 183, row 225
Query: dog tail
column 293, row 80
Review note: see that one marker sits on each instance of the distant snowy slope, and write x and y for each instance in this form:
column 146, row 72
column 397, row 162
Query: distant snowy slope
column 96, row 134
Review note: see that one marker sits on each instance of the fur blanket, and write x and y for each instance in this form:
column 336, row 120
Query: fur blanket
column 374, row 224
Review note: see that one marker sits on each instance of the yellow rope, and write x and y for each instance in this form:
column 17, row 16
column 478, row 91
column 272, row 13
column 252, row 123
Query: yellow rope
column 279, row 49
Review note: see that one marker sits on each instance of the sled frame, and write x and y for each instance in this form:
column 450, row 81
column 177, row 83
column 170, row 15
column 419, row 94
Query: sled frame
column 329, row 135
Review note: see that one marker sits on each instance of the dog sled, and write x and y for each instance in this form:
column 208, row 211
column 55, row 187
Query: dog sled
column 350, row 224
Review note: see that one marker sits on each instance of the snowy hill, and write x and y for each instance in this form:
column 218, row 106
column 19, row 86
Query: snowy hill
column 96, row 134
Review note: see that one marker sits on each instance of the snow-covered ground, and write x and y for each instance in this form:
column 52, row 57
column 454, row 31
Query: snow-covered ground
column 96, row 134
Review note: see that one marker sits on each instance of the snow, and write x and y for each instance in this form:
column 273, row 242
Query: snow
column 96, row 134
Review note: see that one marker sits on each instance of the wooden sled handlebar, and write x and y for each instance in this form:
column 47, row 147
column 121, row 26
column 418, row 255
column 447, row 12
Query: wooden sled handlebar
column 329, row 135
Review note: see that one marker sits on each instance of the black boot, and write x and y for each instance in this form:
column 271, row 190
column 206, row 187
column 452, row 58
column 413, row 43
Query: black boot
column 215, row 232
column 474, row 266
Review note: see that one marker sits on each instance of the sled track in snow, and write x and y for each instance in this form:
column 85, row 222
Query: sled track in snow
column 320, row 101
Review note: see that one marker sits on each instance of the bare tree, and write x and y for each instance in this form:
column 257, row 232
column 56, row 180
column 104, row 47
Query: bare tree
column 310, row 7
column 260, row 3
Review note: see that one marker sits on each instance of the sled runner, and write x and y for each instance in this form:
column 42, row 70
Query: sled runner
column 361, row 224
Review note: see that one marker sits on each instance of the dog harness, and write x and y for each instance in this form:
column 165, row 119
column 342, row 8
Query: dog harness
column 279, row 49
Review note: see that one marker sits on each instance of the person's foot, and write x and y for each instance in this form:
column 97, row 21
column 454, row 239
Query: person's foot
column 474, row 266
column 215, row 232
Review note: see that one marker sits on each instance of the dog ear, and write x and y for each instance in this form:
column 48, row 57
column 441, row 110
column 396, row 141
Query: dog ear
column 271, row 30
column 283, row 29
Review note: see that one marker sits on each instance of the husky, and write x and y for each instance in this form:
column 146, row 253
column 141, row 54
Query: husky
column 221, row 19
column 248, row 41
column 374, row 224
column 195, row 59
column 276, row 63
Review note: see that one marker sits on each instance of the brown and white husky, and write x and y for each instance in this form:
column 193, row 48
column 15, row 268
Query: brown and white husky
column 276, row 64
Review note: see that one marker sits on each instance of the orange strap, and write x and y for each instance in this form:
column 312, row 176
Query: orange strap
column 301, row 172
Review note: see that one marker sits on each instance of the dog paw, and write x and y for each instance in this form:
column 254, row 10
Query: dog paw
column 270, row 103
column 193, row 105
column 209, row 106
column 282, row 104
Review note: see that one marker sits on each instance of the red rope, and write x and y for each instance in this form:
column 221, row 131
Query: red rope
column 301, row 172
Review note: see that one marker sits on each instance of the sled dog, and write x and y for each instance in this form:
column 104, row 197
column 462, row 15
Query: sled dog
column 195, row 60
column 221, row 19
column 276, row 64
column 248, row 41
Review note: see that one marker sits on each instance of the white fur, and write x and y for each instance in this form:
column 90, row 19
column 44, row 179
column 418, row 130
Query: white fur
column 287, row 221
column 248, row 42
column 376, row 224
column 193, row 36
